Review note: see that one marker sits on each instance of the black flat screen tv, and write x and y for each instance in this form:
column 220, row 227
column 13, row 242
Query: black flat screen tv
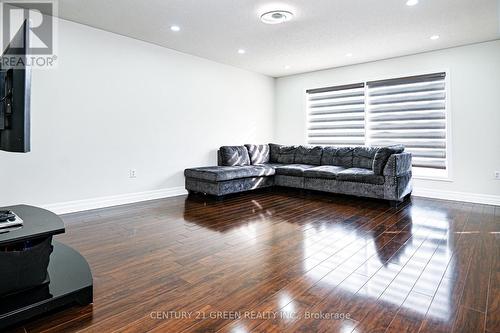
column 15, row 94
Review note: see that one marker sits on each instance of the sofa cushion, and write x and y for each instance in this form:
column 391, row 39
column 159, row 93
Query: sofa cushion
column 286, row 154
column 360, row 175
column 293, row 169
column 324, row 171
column 258, row 153
column 362, row 157
column 234, row 155
column 274, row 151
column 382, row 156
column 222, row 173
column 308, row 155
column 340, row 156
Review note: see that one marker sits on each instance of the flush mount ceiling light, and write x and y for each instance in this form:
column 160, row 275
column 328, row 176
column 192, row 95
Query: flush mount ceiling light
column 411, row 2
column 241, row 51
column 434, row 37
column 276, row 16
column 175, row 28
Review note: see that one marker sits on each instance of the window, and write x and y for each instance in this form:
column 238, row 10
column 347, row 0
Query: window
column 409, row 110
column 337, row 115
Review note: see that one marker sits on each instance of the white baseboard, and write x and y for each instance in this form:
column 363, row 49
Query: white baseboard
column 114, row 200
column 122, row 199
column 487, row 199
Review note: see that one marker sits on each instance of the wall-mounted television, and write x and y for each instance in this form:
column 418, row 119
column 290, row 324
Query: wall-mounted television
column 15, row 94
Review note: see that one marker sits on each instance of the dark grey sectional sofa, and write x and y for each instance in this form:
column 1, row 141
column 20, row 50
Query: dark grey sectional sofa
column 383, row 173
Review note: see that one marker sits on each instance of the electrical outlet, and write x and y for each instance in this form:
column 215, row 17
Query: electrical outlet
column 497, row 175
column 132, row 173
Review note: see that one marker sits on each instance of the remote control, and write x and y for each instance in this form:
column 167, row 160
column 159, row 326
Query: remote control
column 9, row 219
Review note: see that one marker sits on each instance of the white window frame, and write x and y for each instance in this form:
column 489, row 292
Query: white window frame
column 449, row 177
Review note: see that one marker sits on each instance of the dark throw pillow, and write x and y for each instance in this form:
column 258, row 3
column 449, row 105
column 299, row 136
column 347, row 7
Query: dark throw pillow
column 274, row 151
column 362, row 157
column 234, row 155
column 382, row 156
column 286, row 154
column 258, row 153
column 308, row 155
column 340, row 156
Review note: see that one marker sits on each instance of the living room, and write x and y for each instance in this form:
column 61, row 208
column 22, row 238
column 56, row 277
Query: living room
column 250, row 166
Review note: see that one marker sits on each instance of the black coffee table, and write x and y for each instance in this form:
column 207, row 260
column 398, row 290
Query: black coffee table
column 69, row 273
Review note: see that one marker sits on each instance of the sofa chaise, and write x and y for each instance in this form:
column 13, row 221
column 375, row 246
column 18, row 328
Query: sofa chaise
column 383, row 173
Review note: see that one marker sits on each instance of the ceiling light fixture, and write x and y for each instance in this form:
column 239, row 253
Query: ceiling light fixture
column 241, row 51
column 434, row 37
column 175, row 28
column 411, row 2
column 288, row 67
column 348, row 55
column 276, row 16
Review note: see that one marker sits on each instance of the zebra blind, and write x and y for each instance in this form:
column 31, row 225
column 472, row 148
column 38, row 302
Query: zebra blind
column 336, row 115
column 411, row 111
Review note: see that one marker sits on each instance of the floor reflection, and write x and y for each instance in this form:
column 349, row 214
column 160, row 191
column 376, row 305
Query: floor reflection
column 205, row 211
column 402, row 260
column 410, row 255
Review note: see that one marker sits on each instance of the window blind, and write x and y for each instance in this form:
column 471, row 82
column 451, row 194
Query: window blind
column 411, row 111
column 336, row 115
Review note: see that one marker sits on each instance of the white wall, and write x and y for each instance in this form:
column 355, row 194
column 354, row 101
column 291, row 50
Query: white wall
column 475, row 112
column 115, row 103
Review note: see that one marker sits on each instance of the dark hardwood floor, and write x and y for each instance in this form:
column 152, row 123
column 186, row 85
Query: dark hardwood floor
column 286, row 262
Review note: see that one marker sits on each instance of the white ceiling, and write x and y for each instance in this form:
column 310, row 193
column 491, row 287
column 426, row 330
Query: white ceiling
column 320, row 35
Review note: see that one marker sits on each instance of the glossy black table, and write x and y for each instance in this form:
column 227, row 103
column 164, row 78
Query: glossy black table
column 69, row 273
